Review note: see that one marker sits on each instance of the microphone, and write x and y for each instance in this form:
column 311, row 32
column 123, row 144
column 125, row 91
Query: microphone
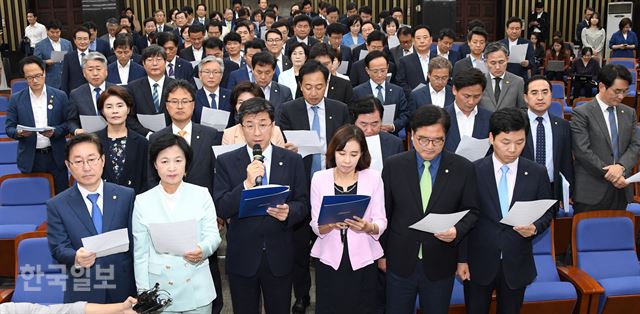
column 257, row 155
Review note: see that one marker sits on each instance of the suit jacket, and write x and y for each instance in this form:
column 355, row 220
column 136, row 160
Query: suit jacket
column 237, row 76
column 422, row 96
column 183, row 70
column 489, row 239
column 358, row 73
column 20, row 112
column 516, row 68
column 292, row 40
column 345, row 53
column 454, row 190
column 338, row 89
column 355, row 52
column 543, row 25
column 410, row 73
column 592, row 150
column 453, row 56
column 166, row 28
column 202, row 100
column 396, row 54
column 136, row 71
column 461, row 66
column 134, row 173
column 286, row 64
column 69, row 221
column 194, row 283
column 480, row 127
column 390, row 145
column 143, row 103
column 364, row 248
column 511, row 93
column 142, row 42
column 393, row 95
column 81, row 103
column 43, row 51
column 189, row 55
column 103, row 47
column 247, row 237
column 617, row 38
column 72, row 76
column 279, row 94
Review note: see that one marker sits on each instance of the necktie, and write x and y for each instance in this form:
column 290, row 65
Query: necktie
column 156, row 98
column 97, row 90
column 214, row 105
column 182, row 133
column 380, row 96
column 614, row 133
column 171, row 71
column 497, row 90
column 541, row 152
column 316, row 164
column 425, row 192
column 251, row 78
column 159, row 29
column 503, row 191
column 96, row 214
column 277, row 70
column 264, row 177
column 82, row 54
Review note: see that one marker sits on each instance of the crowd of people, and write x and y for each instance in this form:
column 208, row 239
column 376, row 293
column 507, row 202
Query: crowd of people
column 334, row 75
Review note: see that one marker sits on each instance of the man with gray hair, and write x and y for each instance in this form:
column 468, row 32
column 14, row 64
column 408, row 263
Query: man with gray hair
column 504, row 89
column 94, row 70
column 437, row 92
column 110, row 36
column 211, row 95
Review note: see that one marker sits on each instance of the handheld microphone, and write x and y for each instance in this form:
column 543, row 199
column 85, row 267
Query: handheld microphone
column 257, row 155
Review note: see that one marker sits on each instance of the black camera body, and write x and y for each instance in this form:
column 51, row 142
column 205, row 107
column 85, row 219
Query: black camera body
column 152, row 300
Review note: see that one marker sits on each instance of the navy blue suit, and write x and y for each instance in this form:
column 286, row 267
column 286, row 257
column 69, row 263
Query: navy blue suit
column 183, row 70
column 136, row 71
column 81, row 103
column 102, row 47
column 453, row 56
column 141, row 92
column 422, row 96
column 345, row 53
column 516, row 68
column 72, row 76
column 410, row 73
column 358, row 73
column 237, row 76
column 390, row 145
column 480, row 127
column 69, row 221
column 393, row 94
column 202, row 100
column 279, row 94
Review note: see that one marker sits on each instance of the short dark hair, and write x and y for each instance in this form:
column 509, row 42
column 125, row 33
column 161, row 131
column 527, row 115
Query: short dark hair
column 313, row 66
column 254, row 44
column 376, row 35
column 365, row 105
column 428, row 115
column 54, row 24
column 90, row 25
column 585, row 50
column 368, row 22
column 475, row 23
column 278, row 24
column 272, row 31
column 232, row 36
column 83, row 138
column 201, row 5
column 332, row 8
column 322, row 49
column 508, row 120
column 117, row 91
column 264, row 58
column 340, row 139
column 123, row 41
column 213, row 43
column 295, row 45
column 81, row 29
column 514, row 19
column 610, row 72
column 32, row 60
column 164, row 37
column 255, row 105
column 404, row 31
column 32, row 12
column 319, row 22
column 480, row 31
column 419, row 27
column 351, row 6
column 468, row 78
column 446, row 32
column 335, row 28
column 196, row 28
column 396, row 9
column 301, row 18
column 153, row 51
column 244, row 87
column 243, row 23
column 366, row 10
column 534, row 78
column 177, row 84
column 163, row 142
column 187, row 9
column 147, row 20
column 624, row 22
column 374, row 55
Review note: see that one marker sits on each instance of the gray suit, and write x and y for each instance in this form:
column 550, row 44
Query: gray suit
column 592, row 151
column 511, row 93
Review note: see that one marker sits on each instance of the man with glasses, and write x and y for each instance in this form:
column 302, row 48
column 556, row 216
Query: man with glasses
column 211, row 95
column 39, row 106
column 437, row 92
column 301, row 30
column 89, row 208
column 405, row 37
column 72, row 64
column 504, row 89
column 273, row 39
column 376, row 41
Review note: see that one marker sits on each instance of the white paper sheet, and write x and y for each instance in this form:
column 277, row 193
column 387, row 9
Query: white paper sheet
column 344, row 66
column 108, row 243
column 92, row 124
column 57, row 56
column 194, row 64
column 434, row 223
column 174, row 238
column 308, row 142
column 217, row 119
column 198, row 82
column 153, row 122
column 221, row 149
column 421, row 85
column 565, row 193
column 393, row 41
column 33, row 129
column 633, row 179
column 363, row 53
column 526, row 213
column 389, row 114
column 518, row 53
column 375, row 150
column 473, row 148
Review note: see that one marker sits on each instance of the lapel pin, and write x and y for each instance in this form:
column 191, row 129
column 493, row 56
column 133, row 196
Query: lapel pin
column 115, row 197
column 507, row 82
column 331, row 87
column 280, row 163
column 526, row 173
column 129, row 183
column 621, row 111
column 556, row 123
column 50, row 106
column 330, row 117
column 446, row 170
column 197, row 137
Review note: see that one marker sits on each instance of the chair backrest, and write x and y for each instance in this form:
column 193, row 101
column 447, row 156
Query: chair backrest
column 581, row 101
column 629, row 63
column 3, row 122
column 4, row 103
column 8, row 152
column 556, row 108
column 604, row 244
column 23, row 215
column 18, row 85
column 544, row 256
column 557, row 90
column 25, row 189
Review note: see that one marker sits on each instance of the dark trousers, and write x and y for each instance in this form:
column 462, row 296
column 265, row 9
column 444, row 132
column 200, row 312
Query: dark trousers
column 434, row 295
column 44, row 162
column 613, row 199
column 301, row 258
column 345, row 290
column 218, row 303
column 245, row 291
column 582, row 89
column 478, row 297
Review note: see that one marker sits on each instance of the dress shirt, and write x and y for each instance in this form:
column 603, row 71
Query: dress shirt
column 92, row 88
column 512, row 43
column 323, row 125
column 197, row 53
column 493, row 82
column 305, row 40
column 201, row 20
column 279, row 62
column 239, row 61
column 55, row 45
column 80, row 56
column 479, row 64
column 39, row 108
column 437, row 98
column 511, row 175
column 36, row 33
column 267, row 91
column 465, row 123
column 208, row 92
column 111, row 40
column 266, row 154
column 445, row 55
column 424, row 63
column 433, row 168
column 605, row 113
column 160, row 85
column 123, row 71
column 173, row 64
column 188, row 128
column 407, row 52
column 250, row 73
column 84, row 192
column 374, row 89
column 548, row 139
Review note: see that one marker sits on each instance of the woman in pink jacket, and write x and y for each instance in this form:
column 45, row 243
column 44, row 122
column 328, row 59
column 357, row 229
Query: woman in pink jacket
column 346, row 275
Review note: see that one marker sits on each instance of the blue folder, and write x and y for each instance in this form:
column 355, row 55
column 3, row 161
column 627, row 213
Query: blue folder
column 255, row 201
column 337, row 208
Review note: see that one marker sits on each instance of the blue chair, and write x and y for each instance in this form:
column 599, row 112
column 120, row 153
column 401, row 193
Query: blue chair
column 556, row 108
column 4, row 103
column 581, row 101
column 18, row 85
column 8, row 157
column 634, row 208
column 629, row 63
column 633, row 86
column 3, row 122
column 565, row 213
column 557, row 90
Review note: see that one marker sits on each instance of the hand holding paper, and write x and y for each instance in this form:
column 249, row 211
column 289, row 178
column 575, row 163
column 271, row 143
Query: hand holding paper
column 174, row 238
column 436, row 223
column 526, row 213
column 308, row 142
column 108, row 243
column 633, row 179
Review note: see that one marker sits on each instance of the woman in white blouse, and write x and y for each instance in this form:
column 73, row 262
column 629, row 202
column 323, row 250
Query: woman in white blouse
column 594, row 37
column 298, row 56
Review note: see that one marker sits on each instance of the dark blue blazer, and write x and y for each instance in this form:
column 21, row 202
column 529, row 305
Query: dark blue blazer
column 453, row 56
column 69, row 221
column 480, row 127
column 248, row 236
column 516, row 68
column 237, row 76
column 20, row 112
column 390, row 145
column 393, row 95
column 279, row 94
column 72, row 76
column 183, row 70
column 134, row 174
column 143, row 103
column 358, row 74
column 202, row 100
column 422, row 96
column 617, row 38
column 410, row 73
column 136, row 71
column 142, row 43
column 102, row 47
column 489, row 237
column 81, row 103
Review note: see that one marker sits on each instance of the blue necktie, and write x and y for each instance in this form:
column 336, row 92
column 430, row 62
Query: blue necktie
column 380, row 96
column 541, row 152
column 96, row 214
column 316, row 165
column 277, row 70
column 214, row 105
column 97, row 90
column 264, row 178
column 156, row 97
column 614, row 133
column 171, row 71
column 503, row 191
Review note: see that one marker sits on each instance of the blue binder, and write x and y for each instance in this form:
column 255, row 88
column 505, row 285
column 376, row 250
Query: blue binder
column 337, row 208
column 255, row 201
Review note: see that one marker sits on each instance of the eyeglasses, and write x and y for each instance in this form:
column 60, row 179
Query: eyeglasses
column 34, row 77
column 91, row 162
column 273, row 40
column 175, row 102
column 252, row 127
column 207, row 73
column 424, row 141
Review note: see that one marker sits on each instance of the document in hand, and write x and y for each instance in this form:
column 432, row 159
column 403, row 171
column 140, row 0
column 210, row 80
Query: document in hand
column 108, row 243
column 363, row 54
column 174, row 238
column 375, row 150
column 33, row 129
column 344, row 66
column 565, row 193
column 92, row 124
column 389, row 114
column 308, row 142
column 337, row 208
column 153, row 122
column 633, row 179
column 526, row 213
column 434, row 223
column 393, row 41
column 255, row 201
column 518, row 53
column 222, row 149
column 198, row 82
column 473, row 148
column 214, row 118
column 57, row 56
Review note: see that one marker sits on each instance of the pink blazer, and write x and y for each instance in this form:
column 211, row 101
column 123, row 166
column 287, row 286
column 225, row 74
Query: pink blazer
column 364, row 248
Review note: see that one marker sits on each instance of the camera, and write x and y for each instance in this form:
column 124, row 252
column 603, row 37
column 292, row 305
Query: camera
column 152, row 300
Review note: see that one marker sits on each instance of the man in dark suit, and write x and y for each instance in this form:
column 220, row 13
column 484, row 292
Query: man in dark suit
column 214, row 47
column 377, row 65
column 112, row 27
column 605, row 144
column 71, row 65
column 416, row 183
column 405, row 37
column 95, row 43
column 44, row 49
column 414, row 68
column 375, row 42
column 124, row 69
column 549, row 140
column 211, row 95
column 264, row 67
column 260, row 249
column 514, row 31
column 443, row 48
column 357, row 52
column 176, row 68
column 181, row 22
column 335, row 32
column 84, row 99
column 245, row 73
column 149, row 32
column 588, row 12
column 275, row 44
column 313, row 111
column 436, row 92
column 539, row 22
column 301, row 29
column 338, row 89
column 195, row 52
column 160, row 17
column 149, row 92
column 39, row 106
column 476, row 39
column 467, row 119
column 89, row 208
column 504, row 89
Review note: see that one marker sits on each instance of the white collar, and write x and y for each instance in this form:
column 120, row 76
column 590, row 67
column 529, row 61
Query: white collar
column 160, row 82
column 603, row 105
column 459, row 112
column 532, row 116
column 84, row 192
column 374, row 85
column 102, row 86
column 126, row 66
column 266, row 153
column 207, row 91
column 433, row 91
column 320, row 104
column 497, row 164
column 188, row 128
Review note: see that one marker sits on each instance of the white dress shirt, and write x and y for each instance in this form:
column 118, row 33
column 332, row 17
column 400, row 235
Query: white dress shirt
column 305, row 40
column 123, row 71
column 511, row 174
column 493, row 82
column 424, row 63
column 36, row 33
column 39, row 108
column 323, row 125
column 440, row 53
column 267, row 91
column 197, row 53
column 188, row 128
column 171, row 200
column 111, row 40
column 160, row 85
column 548, row 139
column 465, row 123
column 84, row 192
column 605, row 113
column 80, row 55
column 374, row 89
column 56, row 45
column 437, row 98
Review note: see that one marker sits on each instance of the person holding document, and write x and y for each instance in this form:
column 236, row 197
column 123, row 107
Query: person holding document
column 186, row 278
column 499, row 256
column 346, row 273
column 514, row 31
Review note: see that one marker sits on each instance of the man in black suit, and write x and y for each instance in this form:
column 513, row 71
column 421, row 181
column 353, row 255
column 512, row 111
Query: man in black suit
column 549, row 140
column 477, row 41
column 436, row 92
column 338, row 89
column 260, row 249
column 160, row 18
column 414, row 68
column 443, row 48
column 300, row 114
column 84, row 99
column 181, row 22
column 301, row 29
column 539, row 22
column 366, row 113
column 514, row 31
column 264, row 66
column 405, row 37
column 499, row 256
column 71, row 64
column 95, row 43
column 335, row 32
column 376, row 41
column 149, row 27
column 214, row 47
column 176, row 68
column 416, row 183
column 195, row 52
column 149, row 92
column 275, row 44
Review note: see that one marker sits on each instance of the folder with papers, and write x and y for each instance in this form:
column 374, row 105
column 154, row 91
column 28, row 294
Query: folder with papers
column 255, row 201
column 337, row 208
